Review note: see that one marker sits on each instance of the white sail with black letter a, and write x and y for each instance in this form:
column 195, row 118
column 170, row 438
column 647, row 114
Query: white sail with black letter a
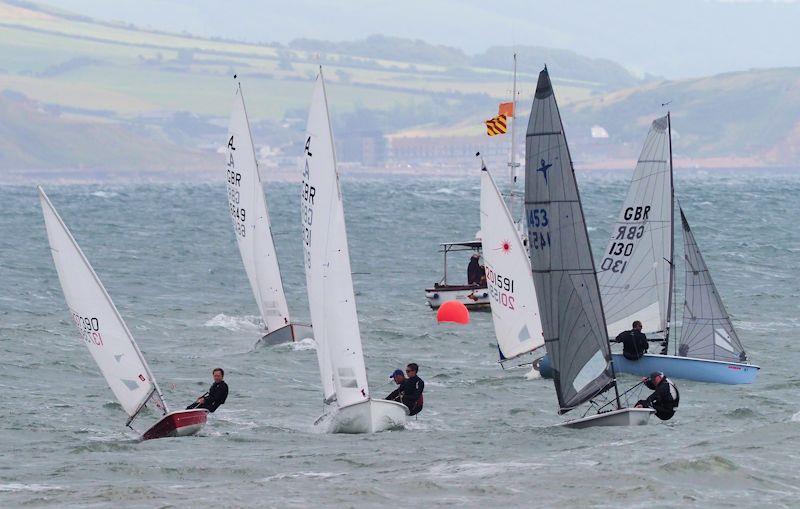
column 251, row 224
column 635, row 271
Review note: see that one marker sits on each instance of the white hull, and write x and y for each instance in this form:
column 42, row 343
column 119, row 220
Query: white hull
column 287, row 334
column 622, row 417
column 473, row 298
column 370, row 416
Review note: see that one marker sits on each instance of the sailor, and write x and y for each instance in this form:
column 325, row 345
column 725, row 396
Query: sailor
column 634, row 342
column 215, row 396
column 665, row 397
column 412, row 389
column 476, row 273
column 399, row 377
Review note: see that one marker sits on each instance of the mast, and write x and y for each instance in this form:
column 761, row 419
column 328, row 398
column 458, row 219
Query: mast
column 671, row 237
column 513, row 164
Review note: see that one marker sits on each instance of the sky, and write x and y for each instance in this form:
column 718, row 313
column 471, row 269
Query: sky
column 673, row 39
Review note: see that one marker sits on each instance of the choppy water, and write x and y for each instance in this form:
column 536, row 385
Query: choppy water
column 168, row 257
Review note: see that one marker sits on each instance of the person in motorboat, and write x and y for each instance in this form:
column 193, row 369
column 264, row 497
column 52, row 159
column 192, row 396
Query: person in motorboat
column 476, row 273
column 215, row 396
column 634, row 342
column 399, row 377
column 665, row 397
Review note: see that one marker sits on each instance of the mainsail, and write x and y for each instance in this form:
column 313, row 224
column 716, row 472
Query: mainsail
column 103, row 331
column 636, row 267
column 707, row 330
column 561, row 258
column 251, row 224
column 515, row 311
column 327, row 263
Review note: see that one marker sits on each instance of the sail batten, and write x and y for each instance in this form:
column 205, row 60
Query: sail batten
column 561, row 260
column 250, row 218
column 707, row 329
column 515, row 310
column 327, row 263
column 102, row 328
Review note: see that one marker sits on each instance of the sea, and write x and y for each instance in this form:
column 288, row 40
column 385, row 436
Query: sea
column 487, row 436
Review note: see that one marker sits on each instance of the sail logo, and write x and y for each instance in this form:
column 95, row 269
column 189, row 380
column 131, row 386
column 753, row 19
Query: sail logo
column 543, row 168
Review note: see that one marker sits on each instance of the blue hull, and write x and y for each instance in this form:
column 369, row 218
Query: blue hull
column 686, row 368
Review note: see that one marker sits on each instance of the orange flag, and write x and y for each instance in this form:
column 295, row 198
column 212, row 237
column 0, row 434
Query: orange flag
column 506, row 109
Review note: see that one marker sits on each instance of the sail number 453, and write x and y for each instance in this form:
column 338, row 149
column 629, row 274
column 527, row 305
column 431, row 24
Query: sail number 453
column 537, row 218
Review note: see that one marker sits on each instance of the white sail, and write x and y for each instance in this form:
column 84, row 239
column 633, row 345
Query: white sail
column 101, row 327
column 251, row 223
column 327, row 263
column 635, row 269
column 515, row 310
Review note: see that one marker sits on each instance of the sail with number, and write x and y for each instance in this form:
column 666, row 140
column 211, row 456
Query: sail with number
column 563, row 269
column 636, row 268
column 515, row 311
column 250, row 218
column 327, row 263
column 103, row 331
column 707, row 329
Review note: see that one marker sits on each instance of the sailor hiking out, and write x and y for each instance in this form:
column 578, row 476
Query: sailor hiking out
column 665, row 397
column 409, row 390
column 216, row 395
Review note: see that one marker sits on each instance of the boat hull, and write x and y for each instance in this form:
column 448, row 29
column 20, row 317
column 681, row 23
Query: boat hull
column 621, row 417
column 178, row 424
column 472, row 297
column 287, row 334
column 370, row 416
column 685, row 368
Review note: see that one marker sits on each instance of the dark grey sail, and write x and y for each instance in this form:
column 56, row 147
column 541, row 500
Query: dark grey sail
column 707, row 330
column 561, row 259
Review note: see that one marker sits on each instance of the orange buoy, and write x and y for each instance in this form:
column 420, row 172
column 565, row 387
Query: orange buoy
column 453, row 311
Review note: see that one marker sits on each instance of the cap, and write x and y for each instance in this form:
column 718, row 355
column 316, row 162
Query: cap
column 397, row 372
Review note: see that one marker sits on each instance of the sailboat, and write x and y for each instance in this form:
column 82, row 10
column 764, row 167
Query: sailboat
column 637, row 277
column 515, row 310
column 564, row 273
column 251, row 225
column 348, row 405
column 107, row 337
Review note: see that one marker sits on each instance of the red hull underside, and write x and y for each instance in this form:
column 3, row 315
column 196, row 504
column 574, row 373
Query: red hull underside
column 177, row 424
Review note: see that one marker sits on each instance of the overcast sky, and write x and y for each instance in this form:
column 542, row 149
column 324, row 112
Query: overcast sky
column 672, row 38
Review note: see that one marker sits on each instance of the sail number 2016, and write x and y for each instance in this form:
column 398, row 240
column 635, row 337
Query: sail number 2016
column 537, row 218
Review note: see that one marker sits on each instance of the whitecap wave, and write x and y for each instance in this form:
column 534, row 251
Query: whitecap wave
column 304, row 344
column 105, row 194
column 18, row 486
column 235, row 323
column 533, row 374
column 796, row 417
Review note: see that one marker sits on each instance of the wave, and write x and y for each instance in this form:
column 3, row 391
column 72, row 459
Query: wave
column 235, row 323
column 18, row 486
column 105, row 194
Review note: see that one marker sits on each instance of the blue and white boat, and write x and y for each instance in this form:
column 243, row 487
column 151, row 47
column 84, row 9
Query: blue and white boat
column 636, row 281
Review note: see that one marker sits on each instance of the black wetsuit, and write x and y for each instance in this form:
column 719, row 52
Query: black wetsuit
column 664, row 400
column 634, row 344
column 409, row 393
column 215, row 396
column 474, row 272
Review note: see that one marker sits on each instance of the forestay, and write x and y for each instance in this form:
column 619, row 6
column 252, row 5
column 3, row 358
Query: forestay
column 707, row 329
column 563, row 270
column 636, row 268
column 327, row 263
column 250, row 218
column 515, row 311
column 103, row 331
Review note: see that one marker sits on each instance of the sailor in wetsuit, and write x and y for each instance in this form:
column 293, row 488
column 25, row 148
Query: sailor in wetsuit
column 665, row 397
column 215, row 396
column 410, row 389
column 634, row 342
